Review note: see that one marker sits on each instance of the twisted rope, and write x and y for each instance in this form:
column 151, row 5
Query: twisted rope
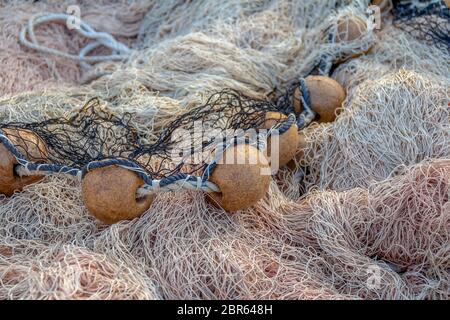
column 282, row 127
column 307, row 115
column 120, row 51
column 325, row 64
column 326, row 60
column 25, row 167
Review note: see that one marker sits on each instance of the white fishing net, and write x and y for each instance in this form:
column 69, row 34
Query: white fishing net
column 364, row 215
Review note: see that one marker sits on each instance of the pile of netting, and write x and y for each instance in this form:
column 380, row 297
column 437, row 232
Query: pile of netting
column 362, row 212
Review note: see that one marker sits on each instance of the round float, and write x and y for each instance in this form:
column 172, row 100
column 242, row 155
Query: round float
column 326, row 95
column 31, row 147
column 350, row 28
column 243, row 177
column 287, row 141
column 109, row 194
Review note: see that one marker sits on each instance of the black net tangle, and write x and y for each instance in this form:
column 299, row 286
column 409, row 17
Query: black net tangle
column 427, row 20
column 95, row 137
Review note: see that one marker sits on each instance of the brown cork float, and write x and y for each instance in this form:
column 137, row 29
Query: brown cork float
column 31, row 147
column 287, row 141
column 109, row 194
column 350, row 28
column 326, row 95
column 241, row 183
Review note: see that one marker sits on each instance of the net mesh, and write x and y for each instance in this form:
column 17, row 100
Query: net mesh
column 426, row 20
column 94, row 133
column 360, row 215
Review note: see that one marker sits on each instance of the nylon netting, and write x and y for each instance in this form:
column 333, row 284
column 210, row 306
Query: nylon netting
column 93, row 136
column 425, row 20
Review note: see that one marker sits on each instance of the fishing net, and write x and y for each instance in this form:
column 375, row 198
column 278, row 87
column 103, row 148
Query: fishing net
column 429, row 21
column 24, row 69
column 328, row 246
column 33, row 270
column 384, row 125
column 93, row 137
column 398, row 226
column 363, row 214
column 395, row 51
column 211, row 256
column 250, row 56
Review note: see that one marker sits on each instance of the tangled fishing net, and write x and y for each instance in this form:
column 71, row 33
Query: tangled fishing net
column 385, row 125
column 426, row 20
column 94, row 138
column 24, row 69
column 30, row 270
column 364, row 213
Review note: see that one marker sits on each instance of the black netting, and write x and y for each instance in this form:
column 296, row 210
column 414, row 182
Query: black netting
column 425, row 20
column 95, row 134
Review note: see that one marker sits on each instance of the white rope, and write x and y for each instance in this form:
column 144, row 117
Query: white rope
column 119, row 50
column 23, row 171
column 206, row 186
